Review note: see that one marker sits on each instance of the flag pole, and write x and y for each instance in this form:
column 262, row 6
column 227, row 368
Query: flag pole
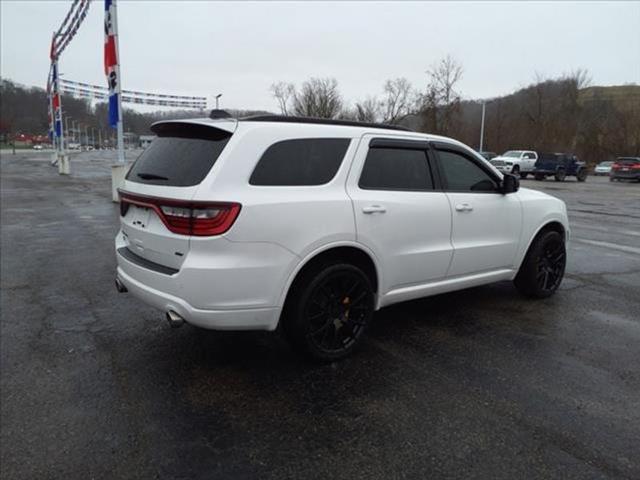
column 120, row 126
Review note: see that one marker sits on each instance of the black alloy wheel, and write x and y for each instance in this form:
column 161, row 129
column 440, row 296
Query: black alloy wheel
column 543, row 268
column 328, row 312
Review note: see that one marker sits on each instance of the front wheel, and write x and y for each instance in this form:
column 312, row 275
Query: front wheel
column 543, row 267
column 582, row 175
column 328, row 310
column 515, row 170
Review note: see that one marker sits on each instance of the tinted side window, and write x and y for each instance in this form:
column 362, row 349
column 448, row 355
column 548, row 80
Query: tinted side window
column 308, row 161
column 462, row 174
column 396, row 169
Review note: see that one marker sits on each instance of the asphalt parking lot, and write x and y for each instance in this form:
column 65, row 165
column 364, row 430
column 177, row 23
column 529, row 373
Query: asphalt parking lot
column 476, row 384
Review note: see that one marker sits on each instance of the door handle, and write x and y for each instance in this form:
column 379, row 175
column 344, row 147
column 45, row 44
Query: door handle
column 464, row 207
column 374, row 209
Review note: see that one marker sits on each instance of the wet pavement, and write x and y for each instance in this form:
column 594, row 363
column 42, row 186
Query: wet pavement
column 480, row 383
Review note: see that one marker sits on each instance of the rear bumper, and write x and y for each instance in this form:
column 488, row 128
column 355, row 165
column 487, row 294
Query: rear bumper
column 235, row 319
column 221, row 284
column 626, row 175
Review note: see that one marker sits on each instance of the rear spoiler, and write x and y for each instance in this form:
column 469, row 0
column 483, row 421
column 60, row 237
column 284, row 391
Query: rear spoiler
column 196, row 127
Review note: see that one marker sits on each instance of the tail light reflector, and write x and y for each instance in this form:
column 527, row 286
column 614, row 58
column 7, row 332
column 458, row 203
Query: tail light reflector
column 186, row 217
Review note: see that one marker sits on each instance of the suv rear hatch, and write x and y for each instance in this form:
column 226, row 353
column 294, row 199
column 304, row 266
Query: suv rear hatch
column 157, row 214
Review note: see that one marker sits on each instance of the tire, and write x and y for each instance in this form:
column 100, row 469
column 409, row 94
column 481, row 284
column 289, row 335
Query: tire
column 516, row 170
column 523, row 175
column 581, row 175
column 327, row 311
column 543, row 267
column 560, row 175
column 539, row 176
column 611, row 179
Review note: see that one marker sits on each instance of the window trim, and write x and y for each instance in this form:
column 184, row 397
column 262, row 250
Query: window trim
column 402, row 144
column 314, row 185
column 445, row 146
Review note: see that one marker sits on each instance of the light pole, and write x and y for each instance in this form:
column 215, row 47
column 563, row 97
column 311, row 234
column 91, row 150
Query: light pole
column 484, row 104
column 217, row 100
column 74, row 130
column 66, row 128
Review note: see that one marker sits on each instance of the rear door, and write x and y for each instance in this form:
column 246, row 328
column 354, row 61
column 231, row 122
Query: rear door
column 171, row 168
column 486, row 224
column 399, row 214
column 528, row 161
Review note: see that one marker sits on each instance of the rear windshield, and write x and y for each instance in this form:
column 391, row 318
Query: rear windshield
column 180, row 156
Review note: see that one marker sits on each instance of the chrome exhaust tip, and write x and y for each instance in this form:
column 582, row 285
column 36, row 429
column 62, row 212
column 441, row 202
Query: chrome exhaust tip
column 174, row 319
column 120, row 286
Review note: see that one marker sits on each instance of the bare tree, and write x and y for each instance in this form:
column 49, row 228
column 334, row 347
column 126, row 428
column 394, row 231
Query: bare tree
column 368, row 110
column 283, row 92
column 318, row 97
column 398, row 101
column 440, row 105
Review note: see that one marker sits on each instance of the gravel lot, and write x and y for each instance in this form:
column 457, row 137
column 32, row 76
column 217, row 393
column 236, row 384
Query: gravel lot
column 476, row 384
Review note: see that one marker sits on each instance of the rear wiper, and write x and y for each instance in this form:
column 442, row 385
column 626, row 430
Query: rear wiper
column 151, row 176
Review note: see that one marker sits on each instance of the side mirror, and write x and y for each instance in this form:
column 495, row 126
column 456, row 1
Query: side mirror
column 510, row 183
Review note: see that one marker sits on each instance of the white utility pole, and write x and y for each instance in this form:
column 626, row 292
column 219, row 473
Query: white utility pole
column 63, row 160
column 484, row 104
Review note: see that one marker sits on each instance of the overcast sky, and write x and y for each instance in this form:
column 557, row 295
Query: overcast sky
column 240, row 49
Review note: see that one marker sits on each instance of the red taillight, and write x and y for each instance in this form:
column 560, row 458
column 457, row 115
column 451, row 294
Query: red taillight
column 185, row 217
column 615, row 166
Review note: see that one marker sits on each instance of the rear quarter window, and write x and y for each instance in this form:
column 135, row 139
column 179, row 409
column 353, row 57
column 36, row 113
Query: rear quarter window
column 300, row 162
column 181, row 156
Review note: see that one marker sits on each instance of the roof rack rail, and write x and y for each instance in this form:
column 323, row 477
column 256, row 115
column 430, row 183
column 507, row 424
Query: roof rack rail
column 321, row 121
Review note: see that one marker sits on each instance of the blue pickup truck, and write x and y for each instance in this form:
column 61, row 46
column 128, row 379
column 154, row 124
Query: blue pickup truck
column 560, row 166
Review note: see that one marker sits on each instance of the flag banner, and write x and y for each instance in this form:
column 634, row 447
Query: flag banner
column 55, row 101
column 111, row 69
column 134, row 93
column 69, row 27
column 113, row 109
column 90, row 94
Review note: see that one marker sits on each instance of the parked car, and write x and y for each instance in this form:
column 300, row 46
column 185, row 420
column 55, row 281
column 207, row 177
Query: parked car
column 625, row 168
column 314, row 224
column 488, row 155
column 517, row 162
column 559, row 165
column 603, row 168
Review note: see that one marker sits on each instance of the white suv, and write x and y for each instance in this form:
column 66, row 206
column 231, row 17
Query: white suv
column 314, row 224
column 517, row 162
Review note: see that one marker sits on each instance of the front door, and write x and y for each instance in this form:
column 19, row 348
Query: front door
column 486, row 224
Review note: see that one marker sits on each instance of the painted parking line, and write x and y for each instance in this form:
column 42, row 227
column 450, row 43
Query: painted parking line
column 633, row 233
column 613, row 246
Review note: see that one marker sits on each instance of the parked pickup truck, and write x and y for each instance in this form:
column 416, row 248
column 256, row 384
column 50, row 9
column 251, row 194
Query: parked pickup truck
column 517, row 162
column 559, row 165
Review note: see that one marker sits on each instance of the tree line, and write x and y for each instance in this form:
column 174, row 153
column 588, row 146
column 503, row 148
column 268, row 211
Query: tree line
column 563, row 114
